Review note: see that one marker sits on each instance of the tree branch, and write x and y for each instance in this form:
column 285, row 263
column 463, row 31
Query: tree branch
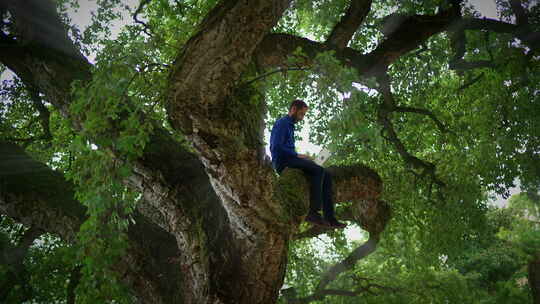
column 343, row 32
column 239, row 21
column 521, row 31
column 44, row 114
column 470, row 83
column 11, row 258
column 271, row 73
column 457, row 40
column 404, row 33
column 383, row 117
column 463, row 65
column 30, row 16
column 36, row 196
column 521, row 16
column 372, row 215
column 330, row 275
column 139, row 9
column 426, row 112
column 74, row 279
column 486, row 24
column 365, row 286
column 348, row 263
column 357, row 183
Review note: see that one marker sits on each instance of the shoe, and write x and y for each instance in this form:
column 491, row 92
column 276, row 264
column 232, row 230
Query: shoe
column 316, row 219
column 334, row 223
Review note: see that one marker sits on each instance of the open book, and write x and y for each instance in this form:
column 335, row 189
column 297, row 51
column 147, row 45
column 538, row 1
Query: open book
column 323, row 156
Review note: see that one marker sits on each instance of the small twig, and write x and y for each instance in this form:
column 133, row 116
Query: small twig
column 124, row 92
column 467, row 85
column 146, row 28
column 26, row 141
column 488, row 49
column 423, row 112
column 422, row 49
column 273, row 72
column 463, row 65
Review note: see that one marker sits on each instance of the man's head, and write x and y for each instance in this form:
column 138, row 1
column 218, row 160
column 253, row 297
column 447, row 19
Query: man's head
column 297, row 110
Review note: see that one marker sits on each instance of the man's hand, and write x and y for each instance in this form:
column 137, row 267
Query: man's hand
column 305, row 156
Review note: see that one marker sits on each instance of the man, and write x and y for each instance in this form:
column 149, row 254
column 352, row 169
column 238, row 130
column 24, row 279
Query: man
column 284, row 155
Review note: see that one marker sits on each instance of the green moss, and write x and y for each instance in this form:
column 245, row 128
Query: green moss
column 246, row 109
column 200, row 237
column 291, row 192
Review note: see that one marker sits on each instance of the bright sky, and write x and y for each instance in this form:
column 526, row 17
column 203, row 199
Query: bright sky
column 486, row 7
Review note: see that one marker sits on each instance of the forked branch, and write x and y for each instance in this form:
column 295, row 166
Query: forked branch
column 383, row 117
column 343, row 32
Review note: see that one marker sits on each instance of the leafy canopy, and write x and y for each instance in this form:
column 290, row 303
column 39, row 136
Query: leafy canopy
column 490, row 139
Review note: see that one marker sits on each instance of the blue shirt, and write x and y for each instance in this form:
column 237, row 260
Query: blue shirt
column 282, row 141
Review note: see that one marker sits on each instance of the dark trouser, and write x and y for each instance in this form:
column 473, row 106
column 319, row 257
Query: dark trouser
column 320, row 184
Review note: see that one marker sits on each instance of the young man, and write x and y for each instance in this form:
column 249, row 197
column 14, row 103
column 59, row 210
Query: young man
column 284, row 155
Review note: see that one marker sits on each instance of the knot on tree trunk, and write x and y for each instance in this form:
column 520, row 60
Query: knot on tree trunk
column 372, row 215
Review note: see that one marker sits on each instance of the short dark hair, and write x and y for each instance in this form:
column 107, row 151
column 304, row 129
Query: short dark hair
column 299, row 104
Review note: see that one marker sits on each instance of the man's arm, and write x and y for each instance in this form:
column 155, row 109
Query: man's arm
column 280, row 139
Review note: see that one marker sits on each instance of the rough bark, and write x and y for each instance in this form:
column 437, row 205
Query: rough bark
column 343, row 32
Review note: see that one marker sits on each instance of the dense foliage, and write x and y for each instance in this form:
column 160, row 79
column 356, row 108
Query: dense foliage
column 476, row 130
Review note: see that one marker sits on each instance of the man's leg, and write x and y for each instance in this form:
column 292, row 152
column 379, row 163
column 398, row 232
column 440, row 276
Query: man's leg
column 328, row 202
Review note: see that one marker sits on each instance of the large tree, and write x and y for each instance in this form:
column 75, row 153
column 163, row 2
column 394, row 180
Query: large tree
column 154, row 154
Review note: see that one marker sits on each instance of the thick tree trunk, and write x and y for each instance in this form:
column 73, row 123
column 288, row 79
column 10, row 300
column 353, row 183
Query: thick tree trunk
column 226, row 133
